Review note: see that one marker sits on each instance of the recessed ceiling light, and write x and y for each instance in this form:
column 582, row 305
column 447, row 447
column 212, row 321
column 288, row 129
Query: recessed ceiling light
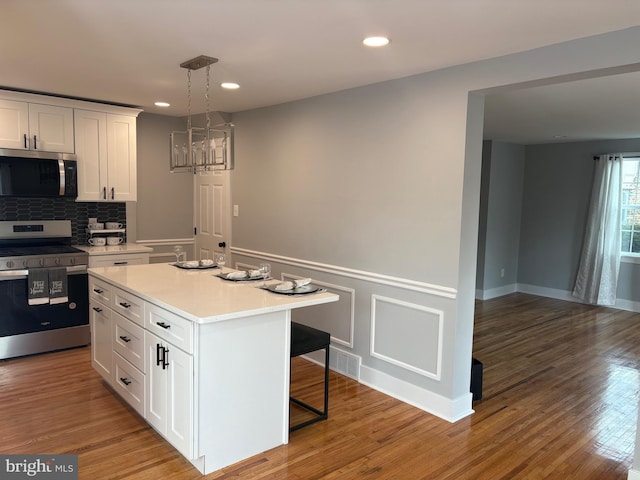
column 376, row 41
column 162, row 104
column 229, row 85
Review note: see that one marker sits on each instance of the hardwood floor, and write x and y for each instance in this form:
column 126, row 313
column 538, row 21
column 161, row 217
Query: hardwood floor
column 561, row 393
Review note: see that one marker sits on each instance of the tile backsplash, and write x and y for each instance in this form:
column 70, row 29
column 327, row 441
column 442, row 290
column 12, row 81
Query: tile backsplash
column 18, row 208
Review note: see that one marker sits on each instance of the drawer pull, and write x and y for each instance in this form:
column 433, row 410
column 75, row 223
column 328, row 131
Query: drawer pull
column 163, row 325
column 125, row 339
column 97, row 309
column 98, row 291
column 121, row 263
column 125, row 380
column 125, row 305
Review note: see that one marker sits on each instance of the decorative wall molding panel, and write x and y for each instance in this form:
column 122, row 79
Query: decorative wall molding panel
column 407, row 335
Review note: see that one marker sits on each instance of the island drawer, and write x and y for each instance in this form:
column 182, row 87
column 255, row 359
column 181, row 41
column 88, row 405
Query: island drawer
column 100, row 291
column 128, row 341
column 169, row 327
column 129, row 383
column 128, row 306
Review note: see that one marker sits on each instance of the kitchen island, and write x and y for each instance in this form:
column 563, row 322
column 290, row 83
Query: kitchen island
column 205, row 361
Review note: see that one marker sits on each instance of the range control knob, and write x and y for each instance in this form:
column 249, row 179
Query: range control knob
column 56, row 261
column 9, row 264
column 41, row 262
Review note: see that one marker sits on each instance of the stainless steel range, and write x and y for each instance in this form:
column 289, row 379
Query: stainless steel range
column 44, row 297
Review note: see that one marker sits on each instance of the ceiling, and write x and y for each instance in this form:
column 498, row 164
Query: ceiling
column 129, row 52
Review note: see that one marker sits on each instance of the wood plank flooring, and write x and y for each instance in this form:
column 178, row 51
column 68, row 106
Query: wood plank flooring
column 561, row 393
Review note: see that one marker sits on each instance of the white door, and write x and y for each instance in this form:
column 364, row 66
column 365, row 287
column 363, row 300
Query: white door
column 212, row 198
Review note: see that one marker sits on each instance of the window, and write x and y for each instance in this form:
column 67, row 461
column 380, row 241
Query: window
column 631, row 205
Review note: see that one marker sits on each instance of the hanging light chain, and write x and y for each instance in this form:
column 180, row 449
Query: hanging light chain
column 206, row 96
column 189, row 98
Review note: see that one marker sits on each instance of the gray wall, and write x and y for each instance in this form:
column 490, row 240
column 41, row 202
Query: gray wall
column 499, row 238
column 164, row 209
column 544, row 191
column 383, row 181
column 557, row 188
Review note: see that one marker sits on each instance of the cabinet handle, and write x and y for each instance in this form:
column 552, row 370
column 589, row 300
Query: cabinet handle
column 158, row 348
column 165, row 359
column 35, row 142
column 97, row 309
column 163, row 325
column 98, row 291
column 125, row 339
column 25, row 141
column 104, row 193
column 121, row 263
column 125, row 380
column 125, row 304
column 113, row 193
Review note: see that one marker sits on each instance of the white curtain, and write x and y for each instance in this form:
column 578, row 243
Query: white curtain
column 597, row 278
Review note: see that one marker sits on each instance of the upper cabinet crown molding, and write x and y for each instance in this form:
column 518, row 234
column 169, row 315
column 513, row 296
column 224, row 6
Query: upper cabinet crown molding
column 69, row 102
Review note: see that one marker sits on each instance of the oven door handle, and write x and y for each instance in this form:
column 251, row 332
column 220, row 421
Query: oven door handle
column 18, row 274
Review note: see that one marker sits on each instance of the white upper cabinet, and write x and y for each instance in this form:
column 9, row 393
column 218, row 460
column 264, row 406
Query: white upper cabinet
column 34, row 126
column 106, row 151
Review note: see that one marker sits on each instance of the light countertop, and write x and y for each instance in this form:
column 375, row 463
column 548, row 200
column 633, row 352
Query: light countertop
column 199, row 295
column 114, row 249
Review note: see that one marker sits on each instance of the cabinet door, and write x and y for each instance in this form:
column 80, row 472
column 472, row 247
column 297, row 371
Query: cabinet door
column 180, row 401
column 14, row 124
column 91, row 150
column 155, row 396
column 101, row 344
column 121, row 152
column 51, row 128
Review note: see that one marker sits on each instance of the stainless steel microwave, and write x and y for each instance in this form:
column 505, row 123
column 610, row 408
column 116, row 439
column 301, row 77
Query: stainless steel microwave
column 26, row 173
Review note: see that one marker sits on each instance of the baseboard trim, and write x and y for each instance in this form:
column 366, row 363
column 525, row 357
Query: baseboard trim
column 496, row 292
column 621, row 304
column 450, row 410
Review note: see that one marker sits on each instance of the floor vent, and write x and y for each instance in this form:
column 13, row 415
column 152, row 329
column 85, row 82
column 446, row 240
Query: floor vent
column 345, row 363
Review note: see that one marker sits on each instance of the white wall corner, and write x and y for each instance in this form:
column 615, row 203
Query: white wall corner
column 634, row 475
column 433, row 403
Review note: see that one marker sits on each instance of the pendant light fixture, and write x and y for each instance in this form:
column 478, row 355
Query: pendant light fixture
column 201, row 148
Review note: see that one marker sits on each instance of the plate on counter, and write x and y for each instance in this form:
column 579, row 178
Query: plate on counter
column 193, row 266
column 223, row 276
column 303, row 290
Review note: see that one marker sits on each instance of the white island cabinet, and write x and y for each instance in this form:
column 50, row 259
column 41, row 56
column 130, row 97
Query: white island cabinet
column 205, row 361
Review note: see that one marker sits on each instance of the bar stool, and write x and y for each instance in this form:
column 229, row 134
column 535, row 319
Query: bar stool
column 306, row 339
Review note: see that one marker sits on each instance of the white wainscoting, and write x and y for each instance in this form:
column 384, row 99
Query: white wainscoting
column 163, row 248
column 420, row 325
column 390, row 329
